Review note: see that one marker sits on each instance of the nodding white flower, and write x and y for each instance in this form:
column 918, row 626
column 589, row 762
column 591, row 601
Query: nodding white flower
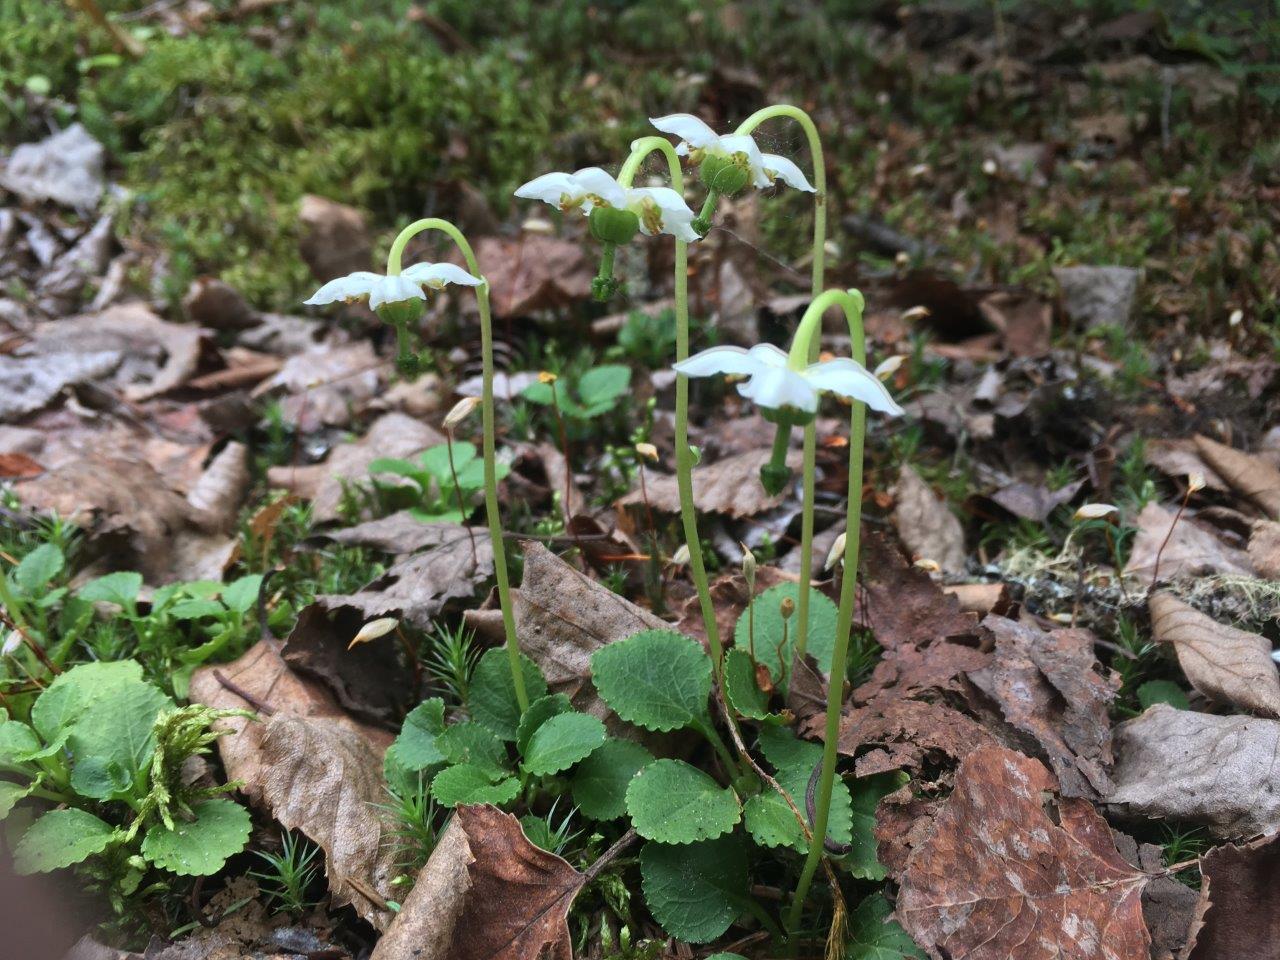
column 836, row 553
column 698, row 141
column 773, row 383
column 659, row 209
column 380, row 288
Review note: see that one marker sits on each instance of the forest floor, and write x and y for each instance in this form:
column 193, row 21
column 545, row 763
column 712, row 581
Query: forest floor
column 252, row 672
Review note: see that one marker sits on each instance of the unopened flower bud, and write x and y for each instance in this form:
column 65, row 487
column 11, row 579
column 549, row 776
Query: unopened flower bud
column 1096, row 511
column 1195, row 481
column 546, row 376
column 681, row 556
column 787, row 607
column 648, row 451
column 373, row 630
column 836, row 553
column 887, row 367
column 748, row 565
column 461, row 410
column 927, row 565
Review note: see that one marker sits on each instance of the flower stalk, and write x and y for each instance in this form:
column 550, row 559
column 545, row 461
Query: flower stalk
column 852, row 302
column 818, row 272
column 487, row 424
column 640, row 150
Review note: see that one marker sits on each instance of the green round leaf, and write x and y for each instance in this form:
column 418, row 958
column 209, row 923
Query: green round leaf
column 674, row 802
column 467, row 784
column 38, row 568
column 695, row 890
column 875, row 935
column 656, row 679
column 120, row 588
column 561, row 742
column 770, row 821
column 416, row 747
column 199, row 848
column 11, row 793
column 59, row 839
column 1162, row 691
column 768, row 628
column 740, row 687
column 867, row 793
column 793, row 760
column 493, row 694
column 473, row 744
column 600, row 782
column 539, row 712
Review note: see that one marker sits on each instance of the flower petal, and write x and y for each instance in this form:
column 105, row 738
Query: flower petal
column 719, row 360
column 439, row 273
column 602, row 184
column 767, row 355
column 780, row 387
column 353, row 286
column 852, row 380
column 677, row 218
column 786, row 171
column 549, row 188
column 688, row 128
column 393, row 290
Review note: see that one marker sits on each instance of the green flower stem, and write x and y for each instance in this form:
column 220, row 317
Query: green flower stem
column 603, row 285
column 787, row 111
column 641, row 149
column 708, row 730
column 702, row 222
column 487, row 416
column 852, row 303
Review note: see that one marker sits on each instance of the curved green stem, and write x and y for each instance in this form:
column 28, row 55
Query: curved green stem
column 640, row 150
column 852, row 303
column 786, row 110
column 487, row 415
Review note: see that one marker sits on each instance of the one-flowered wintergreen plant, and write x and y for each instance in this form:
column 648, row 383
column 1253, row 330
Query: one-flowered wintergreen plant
column 615, row 210
column 400, row 297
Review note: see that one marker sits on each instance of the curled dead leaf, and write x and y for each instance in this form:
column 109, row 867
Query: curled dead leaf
column 1250, row 476
column 1223, row 663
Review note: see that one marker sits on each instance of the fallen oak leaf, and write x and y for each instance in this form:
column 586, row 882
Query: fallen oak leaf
column 312, row 720
column 1188, row 551
column 997, row 877
column 424, row 926
column 1048, row 685
column 1239, row 911
column 730, row 486
column 1225, row 664
column 1200, row 768
column 926, row 525
column 903, row 605
column 1249, row 475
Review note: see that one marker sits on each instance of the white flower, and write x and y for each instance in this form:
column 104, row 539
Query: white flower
column 765, row 167
column 660, row 209
column 773, row 383
column 380, row 289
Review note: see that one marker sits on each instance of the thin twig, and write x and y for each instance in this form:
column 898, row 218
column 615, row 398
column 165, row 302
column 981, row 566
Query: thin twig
column 609, row 856
column 1155, row 571
column 462, row 507
column 261, row 706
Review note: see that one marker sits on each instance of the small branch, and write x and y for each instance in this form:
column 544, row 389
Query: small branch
column 261, row 706
column 123, row 41
column 608, row 856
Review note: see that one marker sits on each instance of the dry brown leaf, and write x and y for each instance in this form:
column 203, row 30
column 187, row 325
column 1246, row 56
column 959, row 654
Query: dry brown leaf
column 311, row 765
column 903, row 605
column 327, row 386
column 419, row 586
column 1034, row 502
column 534, row 272
column 391, row 435
column 370, row 680
column 1024, row 320
column 1238, row 902
column 1250, row 476
column 424, row 926
column 980, row 598
column 903, row 734
column 518, row 906
column 400, row 533
column 1191, row 551
column 221, row 489
column 730, row 486
column 1169, row 907
column 1223, row 663
column 927, row 527
column 1218, row 771
column 563, row 617
column 29, row 383
column 1049, row 686
column 997, row 877
column 1264, row 549
column 729, row 597
column 1180, row 459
